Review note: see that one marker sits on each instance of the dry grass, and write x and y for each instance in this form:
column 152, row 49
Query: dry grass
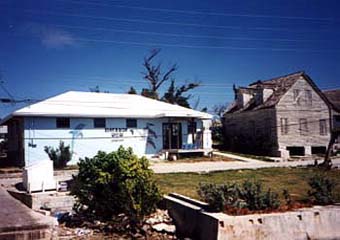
column 278, row 179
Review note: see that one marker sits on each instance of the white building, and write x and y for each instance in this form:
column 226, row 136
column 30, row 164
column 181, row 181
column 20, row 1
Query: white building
column 90, row 122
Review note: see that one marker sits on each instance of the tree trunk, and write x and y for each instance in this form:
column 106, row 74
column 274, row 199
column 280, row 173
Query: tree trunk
column 327, row 163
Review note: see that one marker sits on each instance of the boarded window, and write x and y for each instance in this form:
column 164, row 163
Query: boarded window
column 63, row 122
column 309, row 97
column 296, row 96
column 284, row 126
column 303, row 126
column 323, row 127
column 99, row 123
column 131, row 123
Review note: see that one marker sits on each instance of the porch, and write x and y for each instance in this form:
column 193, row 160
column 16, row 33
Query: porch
column 185, row 137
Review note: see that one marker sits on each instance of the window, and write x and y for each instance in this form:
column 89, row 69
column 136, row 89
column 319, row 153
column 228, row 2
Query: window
column 303, row 126
column 131, row 123
column 99, row 123
column 309, row 97
column 192, row 127
column 63, row 122
column 323, row 127
column 284, row 126
column 337, row 118
column 296, row 96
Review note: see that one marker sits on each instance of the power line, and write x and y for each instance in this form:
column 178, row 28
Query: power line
column 194, row 12
column 185, row 35
column 205, row 46
column 155, row 44
column 134, row 20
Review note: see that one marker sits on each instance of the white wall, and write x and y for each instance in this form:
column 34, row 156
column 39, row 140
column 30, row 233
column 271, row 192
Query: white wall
column 86, row 141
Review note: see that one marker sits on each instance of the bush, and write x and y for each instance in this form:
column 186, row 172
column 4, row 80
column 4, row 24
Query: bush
column 321, row 189
column 218, row 196
column 115, row 183
column 248, row 195
column 256, row 198
column 60, row 156
column 287, row 197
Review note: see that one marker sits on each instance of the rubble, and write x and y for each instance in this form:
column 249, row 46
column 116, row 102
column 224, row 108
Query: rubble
column 157, row 226
column 163, row 227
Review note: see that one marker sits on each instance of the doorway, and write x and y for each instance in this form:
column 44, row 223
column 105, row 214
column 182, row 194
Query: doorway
column 172, row 135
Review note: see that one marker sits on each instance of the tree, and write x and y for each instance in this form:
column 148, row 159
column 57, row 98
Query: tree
column 219, row 110
column 157, row 78
column 60, row 156
column 154, row 75
column 132, row 90
column 174, row 95
column 97, row 89
column 217, row 126
column 327, row 163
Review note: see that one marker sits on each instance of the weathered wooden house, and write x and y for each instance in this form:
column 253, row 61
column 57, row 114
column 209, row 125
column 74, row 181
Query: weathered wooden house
column 282, row 116
column 334, row 98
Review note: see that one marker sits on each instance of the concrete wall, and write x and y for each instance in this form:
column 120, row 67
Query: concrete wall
column 313, row 112
column 194, row 222
column 86, row 141
column 313, row 223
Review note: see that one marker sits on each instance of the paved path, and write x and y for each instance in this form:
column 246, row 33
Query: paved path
column 17, row 221
column 244, row 163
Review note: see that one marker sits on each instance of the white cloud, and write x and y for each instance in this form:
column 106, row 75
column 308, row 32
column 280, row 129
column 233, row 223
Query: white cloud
column 55, row 38
column 51, row 37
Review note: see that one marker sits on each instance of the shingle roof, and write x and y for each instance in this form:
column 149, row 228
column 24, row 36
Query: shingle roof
column 279, row 85
column 89, row 104
column 334, row 97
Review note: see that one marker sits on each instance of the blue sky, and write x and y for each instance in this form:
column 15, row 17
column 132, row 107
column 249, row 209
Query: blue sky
column 48, row 47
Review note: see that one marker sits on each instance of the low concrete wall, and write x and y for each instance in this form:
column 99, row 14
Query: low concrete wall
column 53, row 200
column 193, row 221
column 189, row 218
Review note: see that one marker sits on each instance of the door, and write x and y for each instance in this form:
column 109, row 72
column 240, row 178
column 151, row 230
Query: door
column 172, row 135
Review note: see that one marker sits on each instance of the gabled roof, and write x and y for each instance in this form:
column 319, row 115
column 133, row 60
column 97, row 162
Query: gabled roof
column 334, row 97
column 90, row 104
column 280, row 86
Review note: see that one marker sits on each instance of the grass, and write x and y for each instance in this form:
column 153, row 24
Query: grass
column 278, row 179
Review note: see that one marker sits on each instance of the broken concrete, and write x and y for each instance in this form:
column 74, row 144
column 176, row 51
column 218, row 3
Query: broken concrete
column 52, row 201
column 20, row 222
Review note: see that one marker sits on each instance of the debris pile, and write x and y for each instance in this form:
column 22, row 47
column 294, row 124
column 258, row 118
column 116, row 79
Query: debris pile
column 158, row 226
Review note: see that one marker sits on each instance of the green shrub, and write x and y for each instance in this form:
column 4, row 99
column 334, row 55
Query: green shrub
column 256, row 198
column 218, row 196
column 321, row 190
column 113, row 183
column 60, row 156
column 287, row 197
column 249, row 194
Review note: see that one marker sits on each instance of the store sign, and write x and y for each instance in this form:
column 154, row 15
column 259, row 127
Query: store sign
column 116, row 133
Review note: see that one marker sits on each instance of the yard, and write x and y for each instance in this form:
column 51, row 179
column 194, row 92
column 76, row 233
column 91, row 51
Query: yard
column 278, row 179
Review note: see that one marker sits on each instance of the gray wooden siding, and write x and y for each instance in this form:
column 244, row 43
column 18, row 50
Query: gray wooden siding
column 313, row 112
